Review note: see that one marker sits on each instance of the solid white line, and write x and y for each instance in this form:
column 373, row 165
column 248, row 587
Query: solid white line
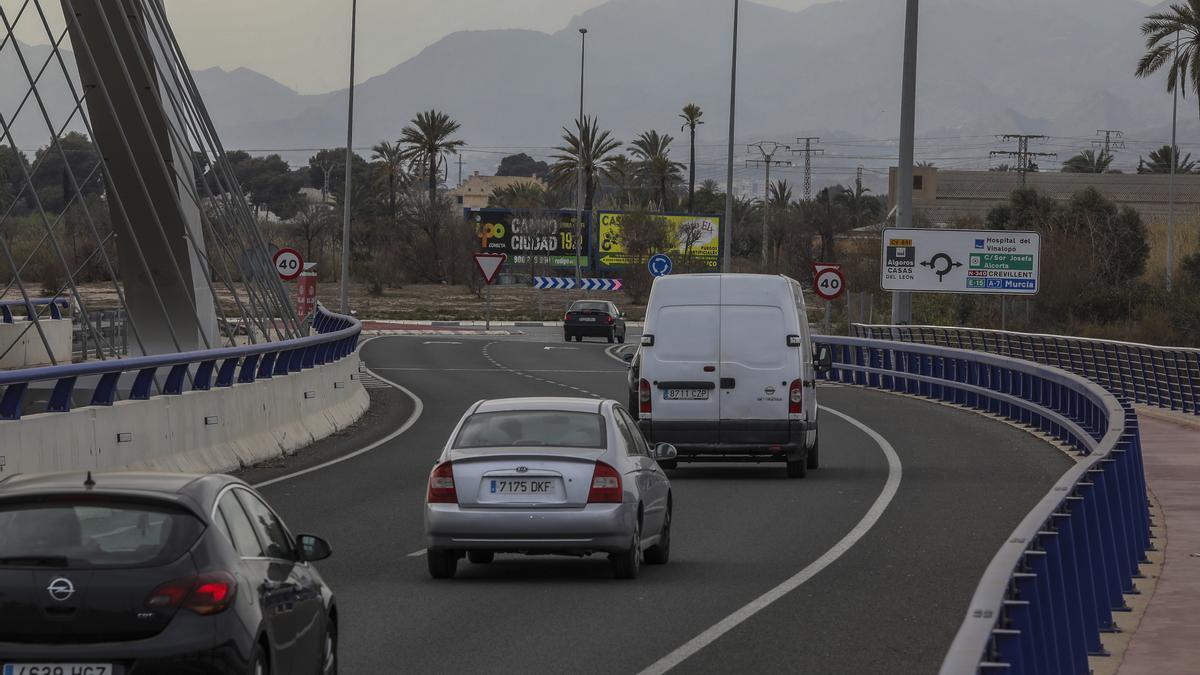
column 610, row 352
column 760, row 603
column 416, row 554
column 418, row 407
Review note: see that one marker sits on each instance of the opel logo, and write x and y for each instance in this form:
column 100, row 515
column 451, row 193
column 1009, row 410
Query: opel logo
column 522, row 469
column 61, row 589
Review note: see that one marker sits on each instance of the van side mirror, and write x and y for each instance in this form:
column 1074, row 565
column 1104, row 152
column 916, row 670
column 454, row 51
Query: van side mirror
column 664, row 451
column 312, row 548
column 822, row 358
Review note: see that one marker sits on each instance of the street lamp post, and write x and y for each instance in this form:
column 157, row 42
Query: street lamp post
column 727, row 256
column 345, row 305
column 1171, row 190
column 902, row 302
column 582, row 188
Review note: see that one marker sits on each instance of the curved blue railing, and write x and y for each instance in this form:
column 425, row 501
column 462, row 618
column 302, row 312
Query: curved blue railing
column 1051, row 590
column 57, row 307
column 337, row 337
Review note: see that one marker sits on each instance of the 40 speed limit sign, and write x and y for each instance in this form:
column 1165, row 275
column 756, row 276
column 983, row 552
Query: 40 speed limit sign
column 828, row 282
column 288, row 263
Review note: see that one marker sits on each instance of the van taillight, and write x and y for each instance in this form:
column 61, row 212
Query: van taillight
column 205, row 594
column 606, row 485
column 644, row 397
column 796, row 397
column 441, row 485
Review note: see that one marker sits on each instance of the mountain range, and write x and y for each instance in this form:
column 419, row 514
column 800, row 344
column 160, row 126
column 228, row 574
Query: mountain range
column 1058, row 67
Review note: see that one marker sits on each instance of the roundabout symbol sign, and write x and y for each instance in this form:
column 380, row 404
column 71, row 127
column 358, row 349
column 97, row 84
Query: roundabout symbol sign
column 659, row 265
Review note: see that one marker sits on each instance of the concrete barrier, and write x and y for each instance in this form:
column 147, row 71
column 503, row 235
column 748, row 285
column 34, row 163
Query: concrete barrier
column 22, row 346
column 219, row 430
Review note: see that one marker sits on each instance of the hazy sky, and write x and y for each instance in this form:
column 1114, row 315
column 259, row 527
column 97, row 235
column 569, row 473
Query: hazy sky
column 304, row 43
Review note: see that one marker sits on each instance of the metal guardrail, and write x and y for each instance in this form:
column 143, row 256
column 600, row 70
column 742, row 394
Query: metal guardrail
column 1165, row 377
column 1052, row 588
column 57, row 307
column 337, row 337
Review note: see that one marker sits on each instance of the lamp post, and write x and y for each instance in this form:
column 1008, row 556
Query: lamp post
column 582, row 188
column 1171, row 190
column 902, row 302
column 345, row 305
column 727, row 255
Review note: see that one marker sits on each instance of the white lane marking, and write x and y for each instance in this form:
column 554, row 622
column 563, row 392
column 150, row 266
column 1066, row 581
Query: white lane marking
column 611, row 352
column 514, row 371
column 440, row 342
column 760, row 603
column 416, row 554
column 566, row 349
column 418, row 408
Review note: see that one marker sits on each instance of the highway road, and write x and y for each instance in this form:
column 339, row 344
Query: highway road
column 866, row 566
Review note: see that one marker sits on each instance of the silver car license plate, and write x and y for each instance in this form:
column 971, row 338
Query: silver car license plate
column 529, row 489
column 58, row 669
column 685, row 394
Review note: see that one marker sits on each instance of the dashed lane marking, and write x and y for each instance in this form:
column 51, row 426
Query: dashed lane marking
column 487, row 355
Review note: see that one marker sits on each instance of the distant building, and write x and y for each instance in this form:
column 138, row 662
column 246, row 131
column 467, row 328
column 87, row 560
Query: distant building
column 474, row 192
column 946, row 196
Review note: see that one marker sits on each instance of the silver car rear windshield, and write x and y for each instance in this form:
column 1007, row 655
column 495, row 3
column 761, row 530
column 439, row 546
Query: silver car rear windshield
column 555, row 428
column 89, row 533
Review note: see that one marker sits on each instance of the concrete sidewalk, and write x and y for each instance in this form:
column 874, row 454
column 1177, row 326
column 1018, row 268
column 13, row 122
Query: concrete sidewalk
column 1168, row 639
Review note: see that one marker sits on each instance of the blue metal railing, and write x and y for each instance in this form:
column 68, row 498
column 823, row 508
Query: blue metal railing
column 1051, row 590
column 57, row 307
column 337, row 337
column 1165, row 377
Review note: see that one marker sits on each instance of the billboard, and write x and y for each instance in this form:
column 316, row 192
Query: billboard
column 697, row 236
column 548, row 236
column 961, row 261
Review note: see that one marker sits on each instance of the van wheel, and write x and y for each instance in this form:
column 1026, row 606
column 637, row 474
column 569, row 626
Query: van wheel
column 797, row 469
column 814, row 456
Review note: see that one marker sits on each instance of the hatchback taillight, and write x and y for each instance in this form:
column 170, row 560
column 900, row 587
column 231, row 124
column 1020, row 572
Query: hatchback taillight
column 796, row 397
column 606, row 485
column 644, row 397
column 609, row 318
column 441, row 485
column 205, row 594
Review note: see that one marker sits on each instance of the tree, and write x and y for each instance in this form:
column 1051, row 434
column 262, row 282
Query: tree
column 1183, row 66
column 1088, row 161
column 1160, row 162
column 425, row 140
column 13, row 166
column 522, row 165
column 330, row 165
column 621, row 172
column 1001, row 168
column 311, row 223
column 862, row 208
column 642, row 235
column 655, row 166
column 519, row 195
column 710, row 198
column 51, row 179
column 691, row 119
column 390, row 171
column 586, row 149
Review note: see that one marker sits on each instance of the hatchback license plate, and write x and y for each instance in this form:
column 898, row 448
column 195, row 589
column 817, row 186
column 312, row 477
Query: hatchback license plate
column 58, row 669
column 685, row 394
column 590, row 319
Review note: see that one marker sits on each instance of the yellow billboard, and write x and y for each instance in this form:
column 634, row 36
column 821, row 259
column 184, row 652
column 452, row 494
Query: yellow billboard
column 691, row 237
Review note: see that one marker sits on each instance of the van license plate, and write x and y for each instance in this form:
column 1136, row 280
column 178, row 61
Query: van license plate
column 685, row 394
column 58, row 669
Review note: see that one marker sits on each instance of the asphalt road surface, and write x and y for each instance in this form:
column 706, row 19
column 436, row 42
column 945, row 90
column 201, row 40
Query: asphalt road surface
column 892, row 576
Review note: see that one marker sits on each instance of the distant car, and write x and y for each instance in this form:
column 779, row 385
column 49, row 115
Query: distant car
column 594, row 318
column 140, row 573
column 548, row 475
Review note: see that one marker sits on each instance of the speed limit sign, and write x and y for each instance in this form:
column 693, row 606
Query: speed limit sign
column 288, row 263
column 828, row 282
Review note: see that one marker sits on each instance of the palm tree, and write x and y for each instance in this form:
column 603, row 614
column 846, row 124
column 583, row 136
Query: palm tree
column 655, row 166
column 1161, row 30
column 587, row 149
column 426, row 140
column 391, row 170
column 620, row 171
column 860, row 205
column 1088, row 162
column 1160, row 162
column 518, row 195
column 691, row 119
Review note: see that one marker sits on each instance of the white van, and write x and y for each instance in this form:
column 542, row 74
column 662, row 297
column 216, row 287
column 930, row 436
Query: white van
column 726, row 370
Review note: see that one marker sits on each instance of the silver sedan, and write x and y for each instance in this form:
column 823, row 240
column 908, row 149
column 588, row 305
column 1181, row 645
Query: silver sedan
column 548, row 475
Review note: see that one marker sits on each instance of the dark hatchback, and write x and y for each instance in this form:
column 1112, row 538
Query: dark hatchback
column 594, row 318
column 140, row 573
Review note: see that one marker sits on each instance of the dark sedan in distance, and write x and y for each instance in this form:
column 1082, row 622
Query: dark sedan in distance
column 139, row 573
column 594, row 318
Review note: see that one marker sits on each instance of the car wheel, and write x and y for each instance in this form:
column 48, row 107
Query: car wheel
column 627, row 564
column 566, row 337
column 481, row 557
column 258, row 661
column 660, row 553
column 797, row 469
column 329, row 663
column 442, row 564
column 579, row 338
column 814, row 457
column 612, row 336
column 621, row 338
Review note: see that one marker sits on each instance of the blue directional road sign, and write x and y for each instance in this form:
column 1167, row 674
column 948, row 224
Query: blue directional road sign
column 568, row 283
column 660, row 265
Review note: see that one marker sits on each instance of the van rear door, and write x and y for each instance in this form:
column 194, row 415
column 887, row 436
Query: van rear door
column 757, row 366
column 682, row 367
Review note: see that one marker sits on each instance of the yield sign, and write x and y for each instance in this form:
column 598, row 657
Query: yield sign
column 489, row 264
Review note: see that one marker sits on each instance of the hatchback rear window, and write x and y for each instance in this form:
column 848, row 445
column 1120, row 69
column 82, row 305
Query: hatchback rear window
column 555, row 428
column 86, row 534
column 584, row 306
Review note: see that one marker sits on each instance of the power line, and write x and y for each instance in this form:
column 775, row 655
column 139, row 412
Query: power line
column 1022, row 154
